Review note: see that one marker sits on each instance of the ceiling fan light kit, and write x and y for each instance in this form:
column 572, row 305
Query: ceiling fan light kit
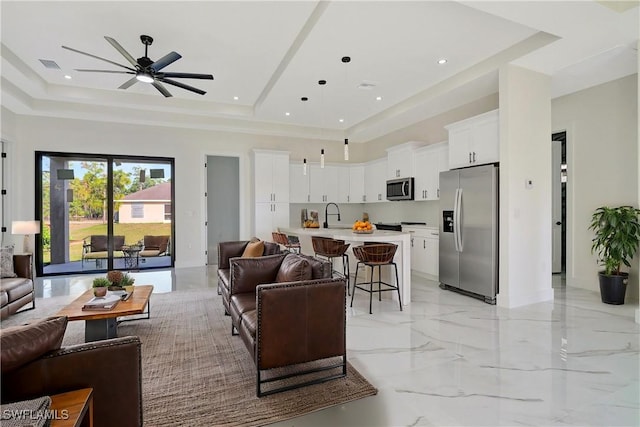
column 146, row 70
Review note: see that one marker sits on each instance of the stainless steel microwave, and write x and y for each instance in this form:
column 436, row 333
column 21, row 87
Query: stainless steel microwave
column 400, row 189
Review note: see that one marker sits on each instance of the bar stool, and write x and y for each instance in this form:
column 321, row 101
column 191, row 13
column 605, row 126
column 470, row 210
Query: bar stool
column 282, row 239
column 328, row 248
column 376, row 255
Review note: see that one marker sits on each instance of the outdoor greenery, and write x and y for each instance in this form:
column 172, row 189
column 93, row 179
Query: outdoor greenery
column 89, row 192
column 617, row 236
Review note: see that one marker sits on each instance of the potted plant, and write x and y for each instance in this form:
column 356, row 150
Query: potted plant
column 100, row 286
column 115, row 279
column 616, row 241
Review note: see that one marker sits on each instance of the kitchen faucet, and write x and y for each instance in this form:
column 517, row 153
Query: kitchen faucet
column 326, row 215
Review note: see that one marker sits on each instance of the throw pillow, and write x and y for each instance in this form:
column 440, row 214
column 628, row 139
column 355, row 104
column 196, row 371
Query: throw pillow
column 6, row 262
column 22, row 344
column 293, row 269
column 253, row 249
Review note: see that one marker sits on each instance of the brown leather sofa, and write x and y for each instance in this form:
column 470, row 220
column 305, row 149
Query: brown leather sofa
column 228, row 250
column 16, row 292
column 291, row 317
column 111, row 367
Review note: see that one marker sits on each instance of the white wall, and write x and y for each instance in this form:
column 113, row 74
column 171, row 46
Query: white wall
column 525, row 213
column 188, row 147
column 602, row 149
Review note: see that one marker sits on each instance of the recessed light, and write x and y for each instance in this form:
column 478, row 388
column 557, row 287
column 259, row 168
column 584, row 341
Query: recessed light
column 287, row 114
column 235, row 98
column 341, row 120
column 442, row 61
column 67, row 76
column 378, row 98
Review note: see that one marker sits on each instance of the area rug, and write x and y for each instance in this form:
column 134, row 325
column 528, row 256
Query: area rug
column 196, row 373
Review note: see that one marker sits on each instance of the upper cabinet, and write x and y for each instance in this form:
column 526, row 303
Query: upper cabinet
column 356, row 184
column 375, row 181
column 400, row 160
column 474, row 141
column 298, row 184
column 323, row 183
column 271, row 169
column 429, row 161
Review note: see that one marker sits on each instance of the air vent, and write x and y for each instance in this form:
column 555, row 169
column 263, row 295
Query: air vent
column 367, row 85
column 50, row 64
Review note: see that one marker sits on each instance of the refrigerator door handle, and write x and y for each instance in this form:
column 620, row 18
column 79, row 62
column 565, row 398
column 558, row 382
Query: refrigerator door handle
column 457, row 220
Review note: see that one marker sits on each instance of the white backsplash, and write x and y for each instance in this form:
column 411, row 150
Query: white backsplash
column 389, row 212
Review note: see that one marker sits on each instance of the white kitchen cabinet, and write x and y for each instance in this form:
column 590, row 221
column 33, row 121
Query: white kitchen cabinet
column 356, row 184
column 474, row 141
column 323, row 183
column 375, row 181
column 298, row 184
column 428, row 163
column 271, row 189
column 269, row 217
column 271, row 175
column 400, row 160
column 424, row 250
column 343, row 186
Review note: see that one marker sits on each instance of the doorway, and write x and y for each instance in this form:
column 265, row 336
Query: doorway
column 559, row 203
column 223, row 203
column 103, row 212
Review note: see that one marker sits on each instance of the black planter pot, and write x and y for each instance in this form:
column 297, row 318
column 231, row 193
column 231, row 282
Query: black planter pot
column 613, row 287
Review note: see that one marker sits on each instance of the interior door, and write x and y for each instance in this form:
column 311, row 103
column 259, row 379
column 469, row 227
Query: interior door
column 556, row 194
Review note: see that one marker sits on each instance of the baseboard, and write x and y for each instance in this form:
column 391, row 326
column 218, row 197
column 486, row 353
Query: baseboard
column 519, row 299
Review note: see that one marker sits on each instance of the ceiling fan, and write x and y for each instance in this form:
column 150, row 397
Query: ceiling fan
column 146, row 70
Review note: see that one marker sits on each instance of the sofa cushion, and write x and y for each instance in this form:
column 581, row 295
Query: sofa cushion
column 293, row 269
column 6, row 262
column 22, row 344
column 253, row 249
column 320, row 269
column 4, row 298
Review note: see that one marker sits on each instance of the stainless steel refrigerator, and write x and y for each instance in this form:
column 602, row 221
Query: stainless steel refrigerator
column 469, row 231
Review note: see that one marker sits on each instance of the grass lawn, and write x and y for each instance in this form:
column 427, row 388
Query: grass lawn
column 132, row 233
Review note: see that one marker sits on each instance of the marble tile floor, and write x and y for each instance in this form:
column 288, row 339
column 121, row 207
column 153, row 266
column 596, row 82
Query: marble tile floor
column 451, row 360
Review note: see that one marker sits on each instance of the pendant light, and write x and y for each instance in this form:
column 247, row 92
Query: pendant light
column 304, row 166
column 346, row 60
column 322, row 83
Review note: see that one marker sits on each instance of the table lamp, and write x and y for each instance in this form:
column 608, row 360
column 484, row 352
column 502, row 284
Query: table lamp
column 27, row 228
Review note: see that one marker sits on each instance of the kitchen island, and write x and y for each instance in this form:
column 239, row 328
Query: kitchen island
column 402, row 257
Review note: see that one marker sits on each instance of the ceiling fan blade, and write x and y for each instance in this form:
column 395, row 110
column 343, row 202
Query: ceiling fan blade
column 84, row 70
column 128, row 83
column 183, row 86
column 97, row 57
column 187, row 76
column 162, row 89
column 169, row 58
column 120, row 49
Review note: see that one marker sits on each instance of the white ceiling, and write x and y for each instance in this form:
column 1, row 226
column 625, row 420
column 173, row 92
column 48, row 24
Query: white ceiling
column 270, row 54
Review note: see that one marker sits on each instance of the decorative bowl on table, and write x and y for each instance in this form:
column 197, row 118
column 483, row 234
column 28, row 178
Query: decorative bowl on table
column 362, row 227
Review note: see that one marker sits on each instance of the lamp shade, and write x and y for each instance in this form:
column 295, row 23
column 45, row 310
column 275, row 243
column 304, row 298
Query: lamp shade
column 25, row 227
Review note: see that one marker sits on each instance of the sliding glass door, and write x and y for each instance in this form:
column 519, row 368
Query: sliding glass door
column 103, row 212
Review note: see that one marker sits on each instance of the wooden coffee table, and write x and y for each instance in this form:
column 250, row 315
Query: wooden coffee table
column 103, row 324
column 73, row 408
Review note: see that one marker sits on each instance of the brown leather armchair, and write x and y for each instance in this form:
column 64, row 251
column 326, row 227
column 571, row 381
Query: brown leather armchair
column 111, row 367
column 228, row 250
column 16, row 292
column 289, row 313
